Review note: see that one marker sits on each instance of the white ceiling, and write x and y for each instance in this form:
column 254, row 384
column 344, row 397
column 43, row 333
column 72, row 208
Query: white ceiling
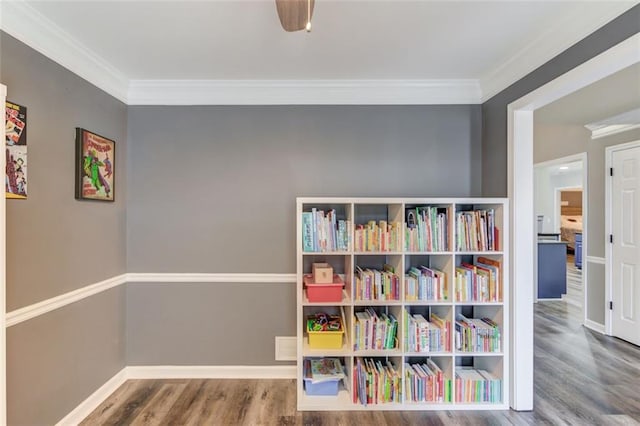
column 147, row 51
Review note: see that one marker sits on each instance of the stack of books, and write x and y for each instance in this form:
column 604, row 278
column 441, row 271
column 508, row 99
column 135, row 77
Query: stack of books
column 382, row 236
column 476, row 231
column 477, row 334
column 325, row 232
column 481, row 282
column 422, row 283
column 424, row 336
column 373, row 331
column 376, row 382
column 477, row 386
column 426, row 383
column 426, row 229
column 372, row 284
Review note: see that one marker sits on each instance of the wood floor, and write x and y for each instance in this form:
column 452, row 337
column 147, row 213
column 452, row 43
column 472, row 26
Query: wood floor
column 581, row 378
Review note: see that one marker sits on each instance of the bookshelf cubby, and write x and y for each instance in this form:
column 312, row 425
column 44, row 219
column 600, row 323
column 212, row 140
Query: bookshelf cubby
column 410, row 260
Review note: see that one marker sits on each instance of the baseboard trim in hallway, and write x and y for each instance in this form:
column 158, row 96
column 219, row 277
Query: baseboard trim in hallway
column 87, row 406
column 592, row 325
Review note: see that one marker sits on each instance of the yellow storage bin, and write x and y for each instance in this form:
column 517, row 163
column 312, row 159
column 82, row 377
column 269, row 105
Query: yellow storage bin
column 325, row 339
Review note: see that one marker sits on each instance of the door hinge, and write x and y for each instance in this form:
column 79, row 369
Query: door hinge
column 611, row 238
column 610, row 305
column 610, row 171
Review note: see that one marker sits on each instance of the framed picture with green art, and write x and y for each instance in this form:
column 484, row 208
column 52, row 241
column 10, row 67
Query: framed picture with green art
column 95, row 166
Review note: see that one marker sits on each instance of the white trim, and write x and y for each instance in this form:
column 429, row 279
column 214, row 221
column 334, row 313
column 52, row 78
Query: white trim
column 612, row 129
column 303, row 92
column 210, row 278
column 48, row 305
column 594, row 326
column 521, row 251
column 595, row 259
column 211, row 372
column 519, row 150
column 3, row 283
column 94, row 400
column 608, row 229
column 31, row 27
column 545, row 47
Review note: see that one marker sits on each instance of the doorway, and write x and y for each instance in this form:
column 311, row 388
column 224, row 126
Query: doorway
column 520, row 190
column 560, row 200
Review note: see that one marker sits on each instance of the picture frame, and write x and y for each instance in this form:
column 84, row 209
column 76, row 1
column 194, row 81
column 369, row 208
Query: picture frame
column 95, row 166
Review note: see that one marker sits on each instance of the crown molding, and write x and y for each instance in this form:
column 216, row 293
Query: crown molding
column 611, row 129
column 26, row 24
column 303, row 92
column 545, row 47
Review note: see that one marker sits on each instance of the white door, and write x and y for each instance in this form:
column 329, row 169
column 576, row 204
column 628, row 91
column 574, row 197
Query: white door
column 625, row 250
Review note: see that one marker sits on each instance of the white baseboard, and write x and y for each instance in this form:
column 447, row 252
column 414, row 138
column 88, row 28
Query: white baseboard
column 211, row 372
column 87, row 406
column 594, row 326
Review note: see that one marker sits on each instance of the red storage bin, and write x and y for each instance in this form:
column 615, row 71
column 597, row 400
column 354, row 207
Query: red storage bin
column 324, row 292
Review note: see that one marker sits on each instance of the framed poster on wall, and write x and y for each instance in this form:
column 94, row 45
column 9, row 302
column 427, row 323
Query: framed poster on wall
column 95, row 166
column 16, row 150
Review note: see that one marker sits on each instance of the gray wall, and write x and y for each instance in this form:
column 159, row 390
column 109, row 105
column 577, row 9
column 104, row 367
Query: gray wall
column 494, row 111
column 207, row 323
column 556, row 141
column 212, row 189
column 56, row 244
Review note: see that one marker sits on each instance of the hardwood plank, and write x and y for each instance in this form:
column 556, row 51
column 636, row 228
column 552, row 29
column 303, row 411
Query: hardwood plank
column 129, row 409
column 155, row 411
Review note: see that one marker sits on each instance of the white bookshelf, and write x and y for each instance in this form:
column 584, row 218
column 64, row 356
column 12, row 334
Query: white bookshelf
column 358, row 211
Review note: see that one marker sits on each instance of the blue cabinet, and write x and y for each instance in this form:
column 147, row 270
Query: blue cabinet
column 578, row 251
column 552, row 269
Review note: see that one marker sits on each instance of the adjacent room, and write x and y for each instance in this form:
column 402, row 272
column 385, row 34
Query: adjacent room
column 320, row 212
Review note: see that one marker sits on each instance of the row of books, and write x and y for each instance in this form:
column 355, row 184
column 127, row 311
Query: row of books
column 383, row 236
column 426, row 229
column 477, row 386
column 425, row 284
column 374, row 331
column 426, row 336
column 372, row 284
column 480, row 282
column 476, row 231
column 477, row 334
column 426, row 383
column 376, row 382
column 325, row 232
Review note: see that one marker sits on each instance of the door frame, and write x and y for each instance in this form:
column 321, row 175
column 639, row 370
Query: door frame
column 522, row 215
column 608, row 221
column 3, row 286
